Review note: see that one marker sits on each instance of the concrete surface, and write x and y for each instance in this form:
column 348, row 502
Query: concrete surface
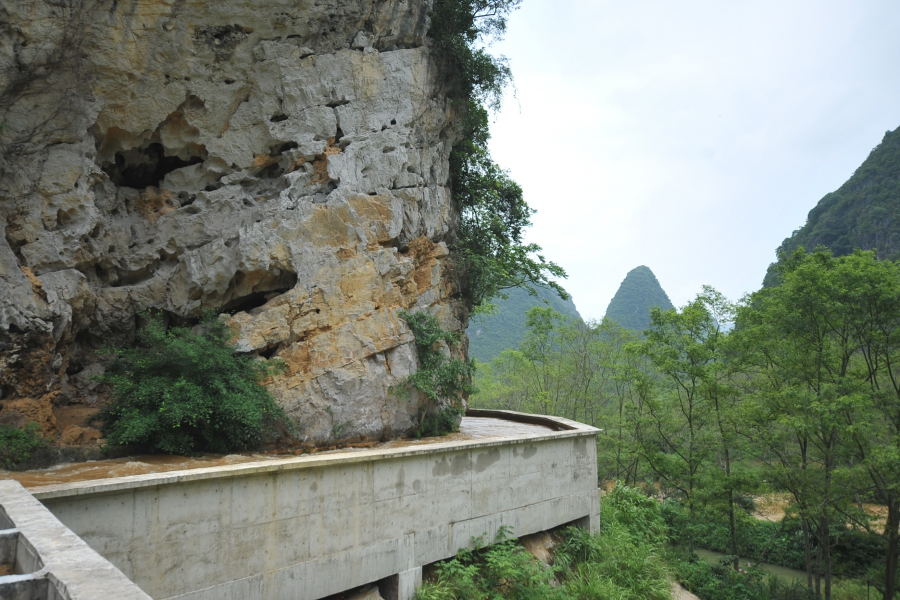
column 311, row 526
column 50, row 562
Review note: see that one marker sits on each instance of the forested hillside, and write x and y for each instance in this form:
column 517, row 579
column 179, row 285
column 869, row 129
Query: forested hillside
column 863, row 213
column 489, row 335
column 792, row 394
column 639, row 292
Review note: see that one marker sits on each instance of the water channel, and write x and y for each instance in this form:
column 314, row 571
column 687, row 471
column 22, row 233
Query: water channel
column 471, row 428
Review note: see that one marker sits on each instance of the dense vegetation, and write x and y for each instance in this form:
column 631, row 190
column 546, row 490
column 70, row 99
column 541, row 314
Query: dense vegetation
column 634, row 557
column 445, row 380
column 181, row 392
column 863, row 213
column 800, row 398
column 623, row 563
column 637, row 295
column 504, row 327
column 18, row 444
column 489, row 250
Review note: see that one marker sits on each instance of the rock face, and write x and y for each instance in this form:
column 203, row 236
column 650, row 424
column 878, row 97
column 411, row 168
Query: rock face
column 284, row 161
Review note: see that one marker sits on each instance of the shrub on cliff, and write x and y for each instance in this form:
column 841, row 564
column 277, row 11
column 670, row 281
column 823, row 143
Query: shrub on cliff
column 181, row 392
column 17, row 445
column 443, row 379
column 489, row 250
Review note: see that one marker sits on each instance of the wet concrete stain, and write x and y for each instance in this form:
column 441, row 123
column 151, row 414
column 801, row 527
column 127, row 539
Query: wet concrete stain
column 580, row 447
column 486, row 459
column 460, row 463
column 454, row 465
column 401, row 481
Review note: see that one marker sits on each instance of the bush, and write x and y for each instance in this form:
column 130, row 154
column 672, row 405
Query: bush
column 504, row 570
column 443, row 422
column 615, row 564
column 444, row 380
column 625, row 561
column 182, row 393
column 17, row 445
column 854, row 552
column 776, row 543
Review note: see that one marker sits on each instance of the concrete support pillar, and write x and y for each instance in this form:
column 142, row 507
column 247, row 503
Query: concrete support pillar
column 401, row 586
column 591, row 522
column 409, row 581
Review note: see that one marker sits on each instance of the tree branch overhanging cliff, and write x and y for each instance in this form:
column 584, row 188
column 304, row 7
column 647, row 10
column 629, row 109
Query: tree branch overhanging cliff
column 489, row 248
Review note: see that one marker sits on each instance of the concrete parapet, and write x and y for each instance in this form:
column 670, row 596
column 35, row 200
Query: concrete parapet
column 48, row 561
column 311, row 526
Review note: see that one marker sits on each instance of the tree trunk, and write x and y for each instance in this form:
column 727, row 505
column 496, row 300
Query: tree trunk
column 733, row 527
column 807, row 550
column 891, row 529
column 818, row 569
column 825, row 545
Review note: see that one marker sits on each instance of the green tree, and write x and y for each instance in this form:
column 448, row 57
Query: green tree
column 181, row 393
column 686, row 349
column 870, row 290
column 489, row 249
column 802, row 339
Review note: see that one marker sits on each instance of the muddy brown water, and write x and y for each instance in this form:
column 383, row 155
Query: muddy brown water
column 471, row 428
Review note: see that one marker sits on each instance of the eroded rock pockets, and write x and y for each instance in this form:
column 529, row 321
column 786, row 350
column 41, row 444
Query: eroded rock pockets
column 289, row 170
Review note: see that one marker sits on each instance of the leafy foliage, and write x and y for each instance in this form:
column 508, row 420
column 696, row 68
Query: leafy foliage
column 443, row 422
column 639, row 292
column 182, row 393
column 801, row 398
column 624, row 562
column 503, row 570
column 444, row 379
column 505, row 327
column 862, row 213
column 489, row 251
column 17, row 445
column 722, row 582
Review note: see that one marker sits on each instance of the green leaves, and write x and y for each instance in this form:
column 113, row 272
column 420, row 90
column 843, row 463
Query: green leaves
column 444, row 379
column 17, row 445
column 182, row 392
column 489, row 250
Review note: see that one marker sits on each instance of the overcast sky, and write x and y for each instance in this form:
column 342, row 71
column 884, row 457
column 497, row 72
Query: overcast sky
column 689, row 136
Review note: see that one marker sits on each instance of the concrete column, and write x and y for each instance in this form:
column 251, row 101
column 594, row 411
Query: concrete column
column 409, row 581
column 401, row 586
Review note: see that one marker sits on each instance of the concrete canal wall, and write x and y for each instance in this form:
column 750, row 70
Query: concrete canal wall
column 311, row 526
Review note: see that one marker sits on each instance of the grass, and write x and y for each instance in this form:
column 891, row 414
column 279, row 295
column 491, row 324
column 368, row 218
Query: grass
column 623, row 562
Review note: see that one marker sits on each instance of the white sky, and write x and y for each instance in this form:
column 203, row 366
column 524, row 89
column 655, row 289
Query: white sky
column 689, row 136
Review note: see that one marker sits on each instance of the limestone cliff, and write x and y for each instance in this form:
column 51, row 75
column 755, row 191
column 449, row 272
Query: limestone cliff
column 286, row 161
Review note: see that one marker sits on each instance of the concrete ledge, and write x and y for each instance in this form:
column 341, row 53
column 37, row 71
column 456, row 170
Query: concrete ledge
column 51, row 561
column 311, row 526
column 565, row 429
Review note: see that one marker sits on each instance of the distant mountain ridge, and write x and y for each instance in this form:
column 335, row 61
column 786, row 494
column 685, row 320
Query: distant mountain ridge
column 489, row 335
column 639, row 292
column 863, row 213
